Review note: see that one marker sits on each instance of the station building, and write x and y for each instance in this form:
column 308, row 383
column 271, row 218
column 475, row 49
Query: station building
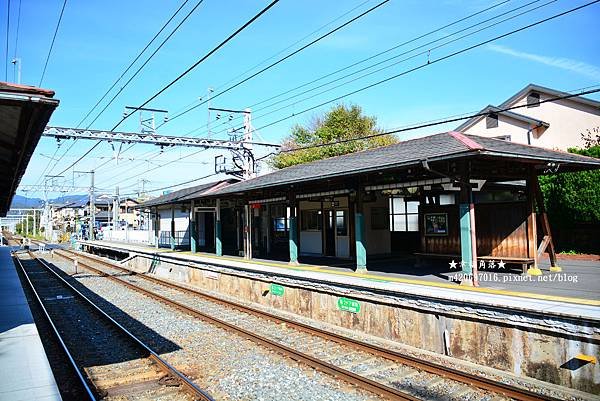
column 454, row 196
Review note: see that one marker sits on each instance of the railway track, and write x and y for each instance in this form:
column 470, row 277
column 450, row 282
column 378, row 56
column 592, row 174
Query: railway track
column 110, row 362
column 382, row 371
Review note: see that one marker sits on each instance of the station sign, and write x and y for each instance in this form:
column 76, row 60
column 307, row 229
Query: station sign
column 348, row 305
column 277, row 289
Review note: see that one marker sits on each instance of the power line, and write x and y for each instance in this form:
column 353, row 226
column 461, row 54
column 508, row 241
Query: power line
column 18, row 26
column 53, row 39
column 431, row 62
column 7, row 35
column 388, row 50
column 144, row 64
column 135, row 74
column 450, row 24
column 439, row 122
column 317, row 30
column 133, row 62
column 192, row 67
column 176, row 185
column 294, row 44
column 428, row 50
column 331, row 32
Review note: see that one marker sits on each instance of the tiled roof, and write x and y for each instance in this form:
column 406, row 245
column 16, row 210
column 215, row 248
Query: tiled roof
column 187, row 193
column 443, row 146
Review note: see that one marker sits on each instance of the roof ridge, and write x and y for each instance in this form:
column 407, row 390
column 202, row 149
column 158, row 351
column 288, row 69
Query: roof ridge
column 468, row 142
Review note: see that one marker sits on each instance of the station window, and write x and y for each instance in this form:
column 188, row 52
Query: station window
column 447, row 199
column 280, row 218
column 310, row 220
column 341, row 223
column 404, row 214
column 491, row 120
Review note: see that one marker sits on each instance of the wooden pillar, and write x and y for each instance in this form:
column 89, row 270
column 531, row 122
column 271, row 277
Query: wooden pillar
column 548, row 240
column 247, row 231
column 156, row 227
column 193, row 231
column 532, row 229
column 293, row 230
column 359, row 233
column 218, row 234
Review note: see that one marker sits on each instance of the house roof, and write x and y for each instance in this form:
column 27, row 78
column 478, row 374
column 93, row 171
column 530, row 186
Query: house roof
column 493, row 109
column 522, row 93
column 548, row 91
column 24, row 112
column 187, row 194
column 445, row 146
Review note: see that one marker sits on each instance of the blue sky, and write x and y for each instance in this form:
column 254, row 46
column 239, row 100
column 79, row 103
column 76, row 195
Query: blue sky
column 97, row 40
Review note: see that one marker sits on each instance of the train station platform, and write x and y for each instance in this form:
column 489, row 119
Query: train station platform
column 574, row 292
column 25, row 373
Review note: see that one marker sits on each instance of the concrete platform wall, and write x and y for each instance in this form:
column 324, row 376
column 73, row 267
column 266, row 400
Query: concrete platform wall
column 524, row 344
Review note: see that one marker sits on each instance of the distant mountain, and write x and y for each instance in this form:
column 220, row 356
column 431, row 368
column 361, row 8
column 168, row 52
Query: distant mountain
column 23, row 202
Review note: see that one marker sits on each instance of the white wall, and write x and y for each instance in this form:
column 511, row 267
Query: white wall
column 181, row 220
column 311, row 242
column 567, row 119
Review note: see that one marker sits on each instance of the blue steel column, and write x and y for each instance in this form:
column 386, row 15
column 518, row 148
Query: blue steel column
column 193, row 233
column 466, row 247
column 218, row 242
column 293, row 232
column 359, row 233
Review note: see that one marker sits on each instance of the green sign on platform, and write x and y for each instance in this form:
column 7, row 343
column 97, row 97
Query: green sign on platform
column 348, row 305
column 277, row 289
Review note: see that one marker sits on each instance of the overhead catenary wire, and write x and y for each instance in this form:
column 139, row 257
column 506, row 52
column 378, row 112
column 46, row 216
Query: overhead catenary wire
column 270, row 58
column 426, row 51
column 431, row 62
column 144, row 64
column 7, row 36
column 183, row 74
column 496, row 110
column 62, row 10
column 134, row 61
column 383, row 52
column 281, row 60
column 438, row 60
column 378, row 54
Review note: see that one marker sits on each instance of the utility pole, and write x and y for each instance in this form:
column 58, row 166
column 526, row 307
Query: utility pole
column 92, row 203
column 92, row 207
column 116, row 209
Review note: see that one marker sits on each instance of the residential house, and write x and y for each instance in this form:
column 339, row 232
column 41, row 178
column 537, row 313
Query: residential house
column 553, row 125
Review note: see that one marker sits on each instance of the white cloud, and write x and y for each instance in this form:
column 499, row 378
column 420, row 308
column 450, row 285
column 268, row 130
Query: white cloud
column 578, row 67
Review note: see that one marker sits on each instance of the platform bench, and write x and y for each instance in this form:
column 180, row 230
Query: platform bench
column 524, row 262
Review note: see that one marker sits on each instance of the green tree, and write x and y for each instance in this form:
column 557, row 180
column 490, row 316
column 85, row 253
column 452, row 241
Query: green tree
column 573, row 199
column 340, row 123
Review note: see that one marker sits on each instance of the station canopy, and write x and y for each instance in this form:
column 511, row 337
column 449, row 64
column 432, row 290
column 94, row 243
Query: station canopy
column 24, row 113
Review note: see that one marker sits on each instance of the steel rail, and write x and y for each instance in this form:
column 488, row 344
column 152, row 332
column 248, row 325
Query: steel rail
column 164, row 365
column 55, row 331
column 470, row 379
column 346, row 375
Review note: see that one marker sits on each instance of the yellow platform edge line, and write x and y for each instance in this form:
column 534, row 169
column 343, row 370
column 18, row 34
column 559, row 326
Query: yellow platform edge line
column 324, row 269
